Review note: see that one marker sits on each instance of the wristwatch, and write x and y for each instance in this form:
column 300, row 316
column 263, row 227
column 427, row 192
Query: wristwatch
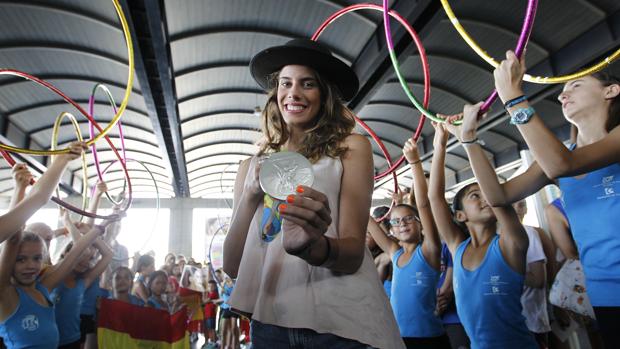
column 521, row 116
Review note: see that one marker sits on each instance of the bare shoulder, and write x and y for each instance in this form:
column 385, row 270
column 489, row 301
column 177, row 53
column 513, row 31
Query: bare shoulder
column 357, row 145
column 356, row 140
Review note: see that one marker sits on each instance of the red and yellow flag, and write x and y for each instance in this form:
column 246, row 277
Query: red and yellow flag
column 125, row 326
column 193, row 300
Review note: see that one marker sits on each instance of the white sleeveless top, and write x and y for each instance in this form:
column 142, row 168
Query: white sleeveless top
column 284, row 290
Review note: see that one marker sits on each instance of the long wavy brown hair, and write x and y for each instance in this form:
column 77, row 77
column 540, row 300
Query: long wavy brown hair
column 333, row 123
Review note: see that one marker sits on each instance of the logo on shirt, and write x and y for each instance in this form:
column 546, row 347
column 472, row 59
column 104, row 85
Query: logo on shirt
column 607, row 183
column 30, row 323
column 496, row 285
column 419, row 278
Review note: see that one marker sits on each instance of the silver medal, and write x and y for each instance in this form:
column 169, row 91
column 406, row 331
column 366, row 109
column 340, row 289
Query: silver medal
column 281, row 173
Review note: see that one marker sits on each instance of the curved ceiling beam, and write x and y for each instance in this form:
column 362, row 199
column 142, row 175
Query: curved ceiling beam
column 63, row 46
column 496, row 27
column 190, row 34
column 86, row 122
column 210, row 144
column 71, row 77
column 67, row 10
column 214, row 165
column 8, row 113
column 219, row 154
column 218, row 112
column 220, row 91
column 223, row 182
column 339, row 5
column 210, row 65
column 132, row 170
column 217, row 129
column 389, row 122
column 213, row 176
column 439, row 87
column 160, row 184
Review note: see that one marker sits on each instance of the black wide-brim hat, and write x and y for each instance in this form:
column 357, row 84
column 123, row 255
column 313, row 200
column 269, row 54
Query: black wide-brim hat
column 308, row 53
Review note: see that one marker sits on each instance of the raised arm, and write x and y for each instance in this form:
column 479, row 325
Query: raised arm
column 39, row 194
column 442, row 214
column 555, row 160
column 513, row 240
column 93, row 205
column 21, row 178
column 73, row 230
column 247, row 196
column 102, row 264
column 61, row 270
column 8, row 256
column 431, row 246
column 388, row 245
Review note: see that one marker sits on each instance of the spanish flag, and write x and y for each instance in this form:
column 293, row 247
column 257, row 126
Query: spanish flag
column 125, row 326
column 193, row 300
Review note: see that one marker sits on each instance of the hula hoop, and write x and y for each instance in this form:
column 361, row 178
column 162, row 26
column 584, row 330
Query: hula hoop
column 117, row 116
column 91, row 109
column 426, row 70
column 58, row 201
column 528, row 24
column 529, row 78
column 220, row 229
column 157, row 202
column 78, row 133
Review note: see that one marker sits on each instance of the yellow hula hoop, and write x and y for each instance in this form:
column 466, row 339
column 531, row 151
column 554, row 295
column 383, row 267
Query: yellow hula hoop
column 121, row 109
column 529, row 78
column 54, row 144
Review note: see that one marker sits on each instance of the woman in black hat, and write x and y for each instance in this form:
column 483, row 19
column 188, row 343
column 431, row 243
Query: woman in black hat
column 316, row 286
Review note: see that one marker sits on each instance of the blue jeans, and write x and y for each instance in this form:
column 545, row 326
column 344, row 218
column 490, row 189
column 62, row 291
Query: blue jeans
column 277, row 337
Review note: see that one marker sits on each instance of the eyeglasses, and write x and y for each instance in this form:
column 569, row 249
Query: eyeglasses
column 407, row 220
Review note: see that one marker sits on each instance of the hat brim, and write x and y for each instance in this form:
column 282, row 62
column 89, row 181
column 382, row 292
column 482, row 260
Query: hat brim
column 271, row 60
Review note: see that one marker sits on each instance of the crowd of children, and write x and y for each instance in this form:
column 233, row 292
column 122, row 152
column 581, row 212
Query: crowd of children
column 459, row 275
column 50, row 304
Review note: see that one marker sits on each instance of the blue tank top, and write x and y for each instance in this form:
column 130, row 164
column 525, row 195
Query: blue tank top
column 592, row 204
column 414, row 296
column 154, row 303
column 387, row 286
column 226, row 292
column 89, row 303
column 488, row 301
column 449, row 316
column 558, row 204
column 68, row 303
column 31, row 325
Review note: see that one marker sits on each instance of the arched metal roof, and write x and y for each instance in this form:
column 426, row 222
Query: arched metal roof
column 191, row 116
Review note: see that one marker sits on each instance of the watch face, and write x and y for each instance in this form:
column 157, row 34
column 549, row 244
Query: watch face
column 521, row 116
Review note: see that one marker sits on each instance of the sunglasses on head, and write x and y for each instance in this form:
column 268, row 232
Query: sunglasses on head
column 407, row 220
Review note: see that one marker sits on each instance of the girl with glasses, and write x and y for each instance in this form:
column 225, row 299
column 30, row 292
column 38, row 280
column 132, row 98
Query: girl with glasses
column 416, row 263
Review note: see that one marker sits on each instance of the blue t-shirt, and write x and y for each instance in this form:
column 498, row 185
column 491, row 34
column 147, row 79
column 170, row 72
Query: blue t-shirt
column 31, row 325
column 488, row 300
column 449, row 316
column 68, row 303
column 414, row 296
column 592, row 205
